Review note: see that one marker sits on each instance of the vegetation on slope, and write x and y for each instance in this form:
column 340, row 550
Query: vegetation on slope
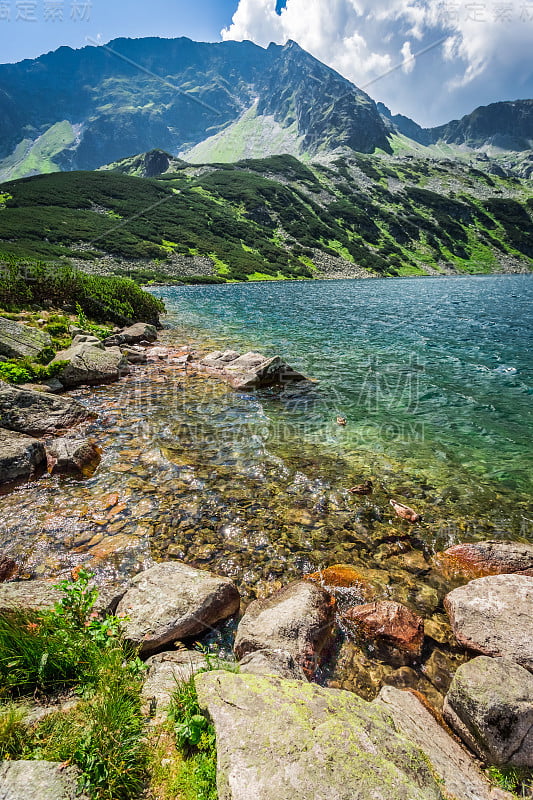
column 271, row 217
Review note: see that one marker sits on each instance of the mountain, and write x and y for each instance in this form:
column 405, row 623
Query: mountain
column 505, row 126
column 81, row 109
column 358, row 216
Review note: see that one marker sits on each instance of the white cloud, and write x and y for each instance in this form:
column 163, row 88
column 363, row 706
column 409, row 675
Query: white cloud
column 486, row 55
column 409, row 59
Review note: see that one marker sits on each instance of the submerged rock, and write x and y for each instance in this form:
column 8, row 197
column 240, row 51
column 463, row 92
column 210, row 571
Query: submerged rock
column 494, row 616
column 39, row 780
column 479, row 559
column 490, row 706
column 38, row 413
column 388, row 622
column 282, row 739
column 461, row 777
column 89, row 365
column 172, row 601
column 21, row 341
column 20, row 456
column 297, row 619
column 67, row 456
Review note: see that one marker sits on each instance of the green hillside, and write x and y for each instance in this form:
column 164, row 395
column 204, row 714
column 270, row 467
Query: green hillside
column 275, row 217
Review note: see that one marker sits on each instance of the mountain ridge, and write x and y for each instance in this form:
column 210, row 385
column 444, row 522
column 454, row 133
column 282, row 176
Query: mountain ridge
column 280, row 96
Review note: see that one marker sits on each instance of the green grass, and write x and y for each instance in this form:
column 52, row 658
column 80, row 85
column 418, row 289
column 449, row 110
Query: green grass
column 518, row 781
column 71, row 648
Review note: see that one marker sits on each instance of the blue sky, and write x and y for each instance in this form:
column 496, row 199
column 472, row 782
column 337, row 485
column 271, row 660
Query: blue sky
column 432, row 60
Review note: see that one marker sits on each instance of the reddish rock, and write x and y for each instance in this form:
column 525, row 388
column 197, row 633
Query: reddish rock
column 478, row 559
column 344, row 576
column 70, row 456
column 390, row 622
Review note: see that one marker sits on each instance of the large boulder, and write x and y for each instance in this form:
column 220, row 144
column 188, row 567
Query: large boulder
column 139, row 332
column 172, row 601
column 461, row 777
column 388, row 622
column 297, row 619
column 490, row 706
column 20, row 456
column 88, row 365
column 494, row 616
column 38, row 413
column 21, row 341
column 478, row 559
column 72, row 456
column 280, row 739
column 39, row 780
column 249, row 371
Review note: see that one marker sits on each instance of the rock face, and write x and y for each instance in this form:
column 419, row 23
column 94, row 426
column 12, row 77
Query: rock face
column 272, row 662
column 88, row 365
column 249, row 371
column 21, row 341
column 461, row 777
column 494, row 616
column 38, row 413
column 20, row 456
column 389, row 622
column 140, row 332
column 490, row 706
column 174, row 601
column 165, row 671
column 71, row 456
column 280, row 740
column 297, row 619
column 479, row 559
column 39, row 780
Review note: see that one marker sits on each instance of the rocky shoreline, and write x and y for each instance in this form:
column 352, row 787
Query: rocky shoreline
column 280, row 706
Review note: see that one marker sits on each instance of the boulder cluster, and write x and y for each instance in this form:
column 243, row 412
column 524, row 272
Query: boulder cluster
column 280, row 733
column 41, row 429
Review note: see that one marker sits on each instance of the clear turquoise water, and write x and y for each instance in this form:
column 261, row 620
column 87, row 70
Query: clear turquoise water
column 433, row 375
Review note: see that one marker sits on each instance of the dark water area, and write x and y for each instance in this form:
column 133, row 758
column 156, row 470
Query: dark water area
column 434, row 378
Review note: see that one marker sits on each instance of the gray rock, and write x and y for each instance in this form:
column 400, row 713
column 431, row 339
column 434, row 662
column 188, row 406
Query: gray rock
column 41, row 595
column 38, row 413
column 140, row 332
column 490, row 706
column 165, row 672
column 69, row 456
column 20, row 456
column 462, row 779
column 280, row 740
column 272, row 662
column 135, row 354
column 297, row 619
column 84, row 338
column 494, row 616
column 39, row 780
column 21, row 341
column 250, row 371
column 91, row 365
column 173, row 601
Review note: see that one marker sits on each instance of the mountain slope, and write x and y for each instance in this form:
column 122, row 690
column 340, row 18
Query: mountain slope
column 137, row 94
column 273, row 218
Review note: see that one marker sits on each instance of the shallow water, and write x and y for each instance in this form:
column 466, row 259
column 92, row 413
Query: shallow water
column 432, row 376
